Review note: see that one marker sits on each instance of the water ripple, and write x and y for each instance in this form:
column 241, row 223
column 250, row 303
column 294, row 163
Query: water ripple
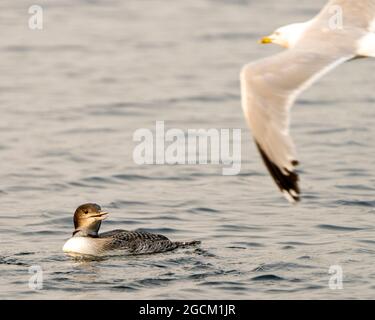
column 338, row 228
column 267, row 277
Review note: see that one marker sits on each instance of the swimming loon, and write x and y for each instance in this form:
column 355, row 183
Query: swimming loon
column 86, row 240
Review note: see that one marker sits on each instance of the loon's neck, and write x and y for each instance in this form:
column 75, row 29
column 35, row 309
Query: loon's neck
column 85, row 233
column 90, row 230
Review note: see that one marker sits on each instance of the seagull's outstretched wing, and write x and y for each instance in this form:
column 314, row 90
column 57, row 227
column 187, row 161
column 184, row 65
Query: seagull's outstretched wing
column 269, row 88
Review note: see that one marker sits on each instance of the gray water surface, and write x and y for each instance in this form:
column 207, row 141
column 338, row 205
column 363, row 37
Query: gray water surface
column 71, row 97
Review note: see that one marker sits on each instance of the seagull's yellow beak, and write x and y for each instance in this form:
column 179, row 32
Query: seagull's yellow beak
column 266, row 40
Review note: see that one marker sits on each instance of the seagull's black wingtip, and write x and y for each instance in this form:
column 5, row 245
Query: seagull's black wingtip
column 287, row 183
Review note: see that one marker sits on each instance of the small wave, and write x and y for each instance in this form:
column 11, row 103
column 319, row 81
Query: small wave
column 172, row 101
column 85, row 185
column 300, row 243
column 63, row 221
column 338, row 228
column 45, row 48
column 204, row 275
column 203, row 209
column 24, row 253
column 225, row 285
column 354, row 203
column 248, row 244
column 203, row 98
column 123, row 203
column 352, row 172
column 327, row 131
column 43, row 232
column 204, row 253
column 124, row 288
column 367, row 241
column 135, row 177
column 96, row 130
column 316, row 102
column 12, row 261
column 267, row 277
column 304, row 258
column 287, row 248
column 281, row 266
column 359, row 187
column 97, row 179
column 150, row 282
column 231, row 36
column 234, row 228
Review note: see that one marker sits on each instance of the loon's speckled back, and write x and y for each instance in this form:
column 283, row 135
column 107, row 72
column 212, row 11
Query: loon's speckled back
column 140, row 242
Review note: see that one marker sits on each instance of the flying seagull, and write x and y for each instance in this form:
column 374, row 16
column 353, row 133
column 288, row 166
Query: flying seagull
column 270, row 86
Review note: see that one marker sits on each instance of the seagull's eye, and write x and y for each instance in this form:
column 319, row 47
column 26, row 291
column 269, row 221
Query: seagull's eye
column 85, row 211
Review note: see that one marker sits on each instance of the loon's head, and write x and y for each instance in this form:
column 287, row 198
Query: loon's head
column 286, row 36
column 87, row 219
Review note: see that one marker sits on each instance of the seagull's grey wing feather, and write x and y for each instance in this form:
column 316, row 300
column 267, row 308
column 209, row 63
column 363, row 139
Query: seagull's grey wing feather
column 269, row 88
column 353, row 32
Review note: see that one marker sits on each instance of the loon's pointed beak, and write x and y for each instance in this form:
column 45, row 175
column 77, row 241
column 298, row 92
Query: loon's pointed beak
column 101, row 215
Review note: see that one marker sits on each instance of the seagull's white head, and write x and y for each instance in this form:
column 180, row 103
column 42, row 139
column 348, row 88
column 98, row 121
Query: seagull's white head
column 287, row 36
